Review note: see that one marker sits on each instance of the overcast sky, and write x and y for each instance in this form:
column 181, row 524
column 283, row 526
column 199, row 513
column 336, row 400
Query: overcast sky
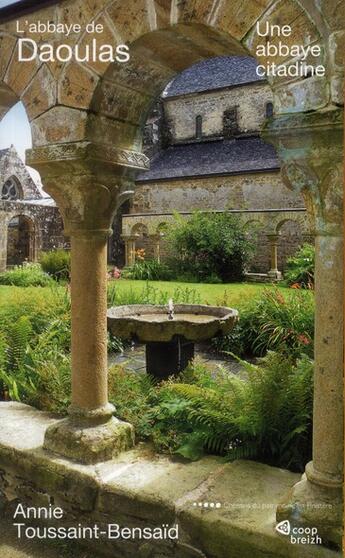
column 15, row 129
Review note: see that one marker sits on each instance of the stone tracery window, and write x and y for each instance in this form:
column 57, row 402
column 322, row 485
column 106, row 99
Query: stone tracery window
column 10, row 190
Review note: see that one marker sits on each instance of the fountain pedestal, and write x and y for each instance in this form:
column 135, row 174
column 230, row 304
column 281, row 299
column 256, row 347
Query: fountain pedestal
column 166, row 358
column 170, row 336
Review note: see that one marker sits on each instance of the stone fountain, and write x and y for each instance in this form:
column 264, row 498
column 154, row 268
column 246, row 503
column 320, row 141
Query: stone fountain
column 170, row 332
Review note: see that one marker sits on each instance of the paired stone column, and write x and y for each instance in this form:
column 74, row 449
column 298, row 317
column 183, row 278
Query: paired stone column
column 311, row 149
column 273, row 273
column 157, row 246
column 129, row 249
column 88, row 185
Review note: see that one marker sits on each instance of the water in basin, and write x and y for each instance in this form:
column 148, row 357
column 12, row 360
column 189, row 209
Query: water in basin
column 192, row 318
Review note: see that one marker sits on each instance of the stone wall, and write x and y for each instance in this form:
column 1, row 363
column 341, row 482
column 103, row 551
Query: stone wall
column 257, row 190
column 46, row 229
column 181, row 112
column 11, row 165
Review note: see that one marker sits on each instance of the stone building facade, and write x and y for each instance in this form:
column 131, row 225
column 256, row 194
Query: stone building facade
column 206, row 154
column 29, row 222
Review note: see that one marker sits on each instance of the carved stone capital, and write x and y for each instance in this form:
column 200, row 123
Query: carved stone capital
column 310, row 148
column 88, row 181
column 87, row 152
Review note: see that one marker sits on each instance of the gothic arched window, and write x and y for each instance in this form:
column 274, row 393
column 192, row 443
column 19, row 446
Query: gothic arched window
column 10, row 190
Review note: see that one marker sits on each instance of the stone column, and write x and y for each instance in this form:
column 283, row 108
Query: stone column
column 157, row 247
column 88, row 191
column 311, row 149
column 129, row 250
column 273, row 273
column 89, row 331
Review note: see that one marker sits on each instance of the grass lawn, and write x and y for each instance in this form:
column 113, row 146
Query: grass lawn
column 232, row 294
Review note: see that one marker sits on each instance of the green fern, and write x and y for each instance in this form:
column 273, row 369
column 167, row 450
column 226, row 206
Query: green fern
column 18, row 337
column 266, row 416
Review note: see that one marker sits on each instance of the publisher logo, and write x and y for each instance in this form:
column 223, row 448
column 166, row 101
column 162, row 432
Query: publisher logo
column 284, row 527
column 298, row 534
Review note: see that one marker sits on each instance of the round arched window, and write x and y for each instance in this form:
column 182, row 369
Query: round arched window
column 10, row 190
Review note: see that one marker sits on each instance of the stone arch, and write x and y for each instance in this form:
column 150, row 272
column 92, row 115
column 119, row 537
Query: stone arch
column 22, row 238
column 255, row 222
column 11, row 189
column 164, row 39
column 159, row 54
column 143, row 246
column 292, row 231
column 162, row 227
column 279, row 222
column 257, row 227
column 139, row 229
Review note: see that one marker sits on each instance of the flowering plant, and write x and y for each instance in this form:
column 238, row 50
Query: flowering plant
column 140, row 254
column 114, row 273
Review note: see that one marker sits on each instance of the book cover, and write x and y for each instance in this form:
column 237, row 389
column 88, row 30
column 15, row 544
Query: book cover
column 171, row 278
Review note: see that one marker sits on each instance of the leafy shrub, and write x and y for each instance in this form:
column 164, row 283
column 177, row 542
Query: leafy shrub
column 273, row 322
column 300, row 267
column 57, row 263
column 151, row 270
column 28, row 275
column 212, row 247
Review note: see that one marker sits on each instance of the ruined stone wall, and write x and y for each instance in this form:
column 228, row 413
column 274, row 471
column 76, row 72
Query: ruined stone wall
column 45, row 223
column 250, row 100
column 11, row 165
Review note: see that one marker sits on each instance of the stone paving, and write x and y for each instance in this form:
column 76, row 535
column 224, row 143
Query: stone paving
column 133, row 358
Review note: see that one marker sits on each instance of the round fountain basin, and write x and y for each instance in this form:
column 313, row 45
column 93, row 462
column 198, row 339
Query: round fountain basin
column 148, row 323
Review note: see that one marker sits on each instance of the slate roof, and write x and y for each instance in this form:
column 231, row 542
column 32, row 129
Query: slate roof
column 231, row 156
column 214, row 73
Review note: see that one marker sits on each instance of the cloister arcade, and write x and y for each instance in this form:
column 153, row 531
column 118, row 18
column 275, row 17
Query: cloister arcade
column 147, row 232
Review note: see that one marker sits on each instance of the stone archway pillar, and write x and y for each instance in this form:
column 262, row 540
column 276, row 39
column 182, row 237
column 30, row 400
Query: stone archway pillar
column 88, row 183
column 273, row 272
column 311, row 149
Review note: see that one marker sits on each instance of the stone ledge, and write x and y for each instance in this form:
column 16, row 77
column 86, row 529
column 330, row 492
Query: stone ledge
column 141, row 488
